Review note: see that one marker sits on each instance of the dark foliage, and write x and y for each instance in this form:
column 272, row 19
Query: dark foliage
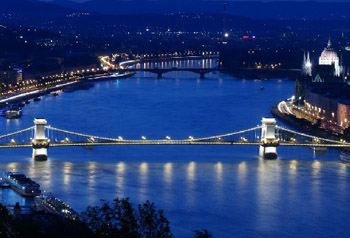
column 120, row 219
column 6, row 229
column 202, row 234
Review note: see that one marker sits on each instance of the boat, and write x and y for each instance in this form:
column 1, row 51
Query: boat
column 85, row 86
column 49, row 203
column 319, row 150
column 13, row 113
column 69, row 89
column 345, row 156
column 3, row 112
column 21, row 104
column 22, row 184
column 4, row 184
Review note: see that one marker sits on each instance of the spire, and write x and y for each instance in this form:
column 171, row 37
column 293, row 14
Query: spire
column 307, row 66
column 329, row 45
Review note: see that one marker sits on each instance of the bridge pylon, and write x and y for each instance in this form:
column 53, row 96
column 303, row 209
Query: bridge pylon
column 40, row 142
column 159, row 75
column 269, row 141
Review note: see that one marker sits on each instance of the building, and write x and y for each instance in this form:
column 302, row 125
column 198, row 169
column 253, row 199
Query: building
column 323, row 90
column 8, row 77
column 328, row 69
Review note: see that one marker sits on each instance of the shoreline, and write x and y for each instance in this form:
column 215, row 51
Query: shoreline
column 40, row 92
column 301, row 125
column 20, row 97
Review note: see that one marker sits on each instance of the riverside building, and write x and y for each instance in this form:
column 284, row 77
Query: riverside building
column 323, row 93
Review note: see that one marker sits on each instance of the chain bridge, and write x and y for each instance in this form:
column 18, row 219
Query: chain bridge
column 268, row 136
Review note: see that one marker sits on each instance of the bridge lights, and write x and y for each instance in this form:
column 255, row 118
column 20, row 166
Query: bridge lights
column 13, row 141
column 143, row 138
column 219, row 138
column 120, row 138
column 191, row 138
column 168, row 138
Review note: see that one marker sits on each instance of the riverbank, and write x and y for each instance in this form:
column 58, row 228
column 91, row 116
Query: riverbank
column 20, row 97
column 304, row 125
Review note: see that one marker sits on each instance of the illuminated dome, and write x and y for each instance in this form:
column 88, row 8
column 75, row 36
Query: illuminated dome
column 330, row 57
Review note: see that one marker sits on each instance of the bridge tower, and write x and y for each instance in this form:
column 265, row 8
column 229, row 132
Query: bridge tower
column 269, row 142
column 40, row 142
column 159, row 75
column 202, row 74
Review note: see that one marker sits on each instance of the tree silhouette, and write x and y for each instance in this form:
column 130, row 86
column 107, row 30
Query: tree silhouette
column 121, row 220
column 6, row 225
column 202, row 234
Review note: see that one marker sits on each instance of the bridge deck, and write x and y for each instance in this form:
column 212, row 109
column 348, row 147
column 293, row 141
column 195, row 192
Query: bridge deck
column 174, row 142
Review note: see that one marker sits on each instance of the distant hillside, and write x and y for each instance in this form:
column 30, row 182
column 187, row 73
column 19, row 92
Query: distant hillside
column 278, row 9
column 32, row 8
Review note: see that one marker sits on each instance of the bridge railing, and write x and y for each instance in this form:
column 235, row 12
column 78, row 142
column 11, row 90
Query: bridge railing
column 23, row 136
column 286, row 134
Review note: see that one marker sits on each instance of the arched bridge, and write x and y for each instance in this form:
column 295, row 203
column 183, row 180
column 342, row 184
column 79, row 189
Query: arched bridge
column 160, row 71
column 203, row 71
column 268, row 136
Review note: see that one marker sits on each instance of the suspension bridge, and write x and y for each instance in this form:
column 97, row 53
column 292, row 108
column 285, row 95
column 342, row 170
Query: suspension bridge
column 268, row 136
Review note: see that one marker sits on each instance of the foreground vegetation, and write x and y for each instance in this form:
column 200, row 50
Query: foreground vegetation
column 117, row 219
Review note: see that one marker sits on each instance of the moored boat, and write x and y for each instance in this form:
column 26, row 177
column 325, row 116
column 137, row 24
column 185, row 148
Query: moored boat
column 22, row 184
column 13, row 113
column 3, row 183
column 319, row 149
column 51, row 204
column 345, row 156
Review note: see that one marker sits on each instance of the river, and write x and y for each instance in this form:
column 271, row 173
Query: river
column 227, row 190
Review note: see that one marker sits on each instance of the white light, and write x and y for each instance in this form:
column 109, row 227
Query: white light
column 120, row 138
column 143, row 138
column 226, row 35
column 168, row 138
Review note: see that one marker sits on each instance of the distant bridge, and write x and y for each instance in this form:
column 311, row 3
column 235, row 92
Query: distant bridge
column 268, row 136
column 203, row 71
column 160, row 71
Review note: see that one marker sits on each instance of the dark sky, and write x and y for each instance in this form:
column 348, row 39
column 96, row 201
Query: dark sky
column 230, row 0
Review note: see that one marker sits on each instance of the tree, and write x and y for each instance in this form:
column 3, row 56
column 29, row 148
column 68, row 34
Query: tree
column 6, row 226
column 121, row 220
column 346, row 133
column 153, row 224
column 202, row 234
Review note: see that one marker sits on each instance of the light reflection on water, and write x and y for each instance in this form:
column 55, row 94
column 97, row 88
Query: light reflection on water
column 226, row 190
column 120, row 178
column 259, row 193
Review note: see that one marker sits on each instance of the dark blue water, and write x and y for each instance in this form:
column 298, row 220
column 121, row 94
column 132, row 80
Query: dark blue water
column 225, row 189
